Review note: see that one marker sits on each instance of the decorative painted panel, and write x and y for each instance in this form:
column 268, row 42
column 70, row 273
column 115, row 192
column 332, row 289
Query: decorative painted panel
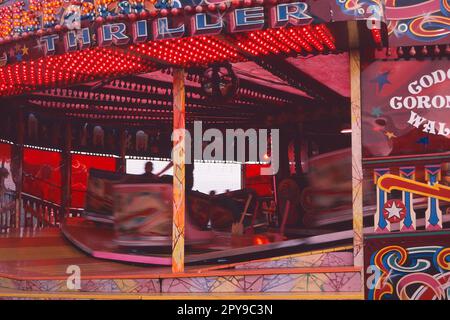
column 408, row 266
column 418, row 22
column 306, row 282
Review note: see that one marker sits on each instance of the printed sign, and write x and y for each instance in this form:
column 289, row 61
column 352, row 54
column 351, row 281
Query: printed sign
column 406, row 108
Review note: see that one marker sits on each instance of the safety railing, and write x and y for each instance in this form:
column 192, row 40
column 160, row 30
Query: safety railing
column 32, row 211
column 39, row 213
column 7, row 210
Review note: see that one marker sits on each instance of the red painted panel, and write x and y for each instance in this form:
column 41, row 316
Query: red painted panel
column 253, row 180
column 5, row 152
column 42, row 174
column 80, row 170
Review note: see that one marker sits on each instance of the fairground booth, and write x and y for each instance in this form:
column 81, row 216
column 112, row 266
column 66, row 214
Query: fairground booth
column 295, row 149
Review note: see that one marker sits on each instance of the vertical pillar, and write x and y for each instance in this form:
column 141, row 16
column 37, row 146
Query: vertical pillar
column 285, row 137
column 380, row 223
column 357, row 171
column 433, row 214
column 178, row 158
column 66, row 174
column 122, row 162
column 18, row 172
column 298, row 150
column 409, row 223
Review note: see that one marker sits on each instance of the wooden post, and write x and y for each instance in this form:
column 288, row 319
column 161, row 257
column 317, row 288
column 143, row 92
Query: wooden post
column 121, row 161
column 285, row 136
column 18, row 158
column 178, row 158
column 66, row 174
column 357, row 173
column 298, row 150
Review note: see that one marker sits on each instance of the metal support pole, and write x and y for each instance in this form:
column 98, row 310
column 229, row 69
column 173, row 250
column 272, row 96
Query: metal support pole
column 122, row 161
column 66, row 176
column 18, row 158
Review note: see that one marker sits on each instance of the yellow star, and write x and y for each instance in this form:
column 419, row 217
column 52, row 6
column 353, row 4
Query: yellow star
column 390, row 135
column 17, row 47
column 24, row 50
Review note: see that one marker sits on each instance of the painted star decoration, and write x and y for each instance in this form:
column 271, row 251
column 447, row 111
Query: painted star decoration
column 382, row 80
column 394, row 210
column 24, row 50
column 376, row 112
column 390, row 135
column 424, row 140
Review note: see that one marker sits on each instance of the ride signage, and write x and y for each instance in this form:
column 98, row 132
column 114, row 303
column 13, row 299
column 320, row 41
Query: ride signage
column 164, row 24
column 236, row 20
column 418, row 101
column 406, row 107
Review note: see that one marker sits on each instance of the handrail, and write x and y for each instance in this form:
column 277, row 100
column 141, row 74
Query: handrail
column 38, row 212
column 430, row 158
column 32, row 177
column 34, row 211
